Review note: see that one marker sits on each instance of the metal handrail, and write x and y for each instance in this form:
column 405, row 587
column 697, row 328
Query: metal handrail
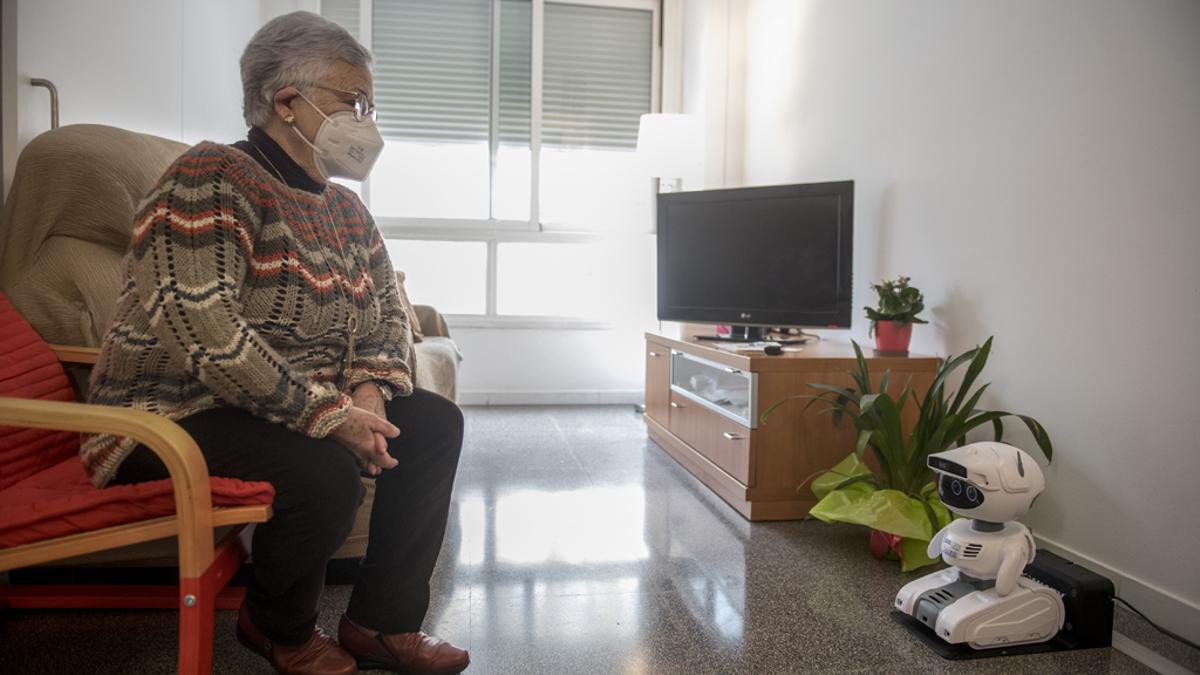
column 40, row 82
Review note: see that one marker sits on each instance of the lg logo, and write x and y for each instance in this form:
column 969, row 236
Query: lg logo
column 744, row 315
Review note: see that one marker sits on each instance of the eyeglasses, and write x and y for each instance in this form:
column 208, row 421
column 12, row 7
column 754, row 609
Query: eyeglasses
column 362, row 106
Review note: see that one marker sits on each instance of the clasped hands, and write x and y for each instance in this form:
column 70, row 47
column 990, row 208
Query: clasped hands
column 366, row 430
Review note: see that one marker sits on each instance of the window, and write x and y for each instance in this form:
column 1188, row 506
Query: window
column 597, row 85
column 345, row 13
column 507, row 121
column 433, row 76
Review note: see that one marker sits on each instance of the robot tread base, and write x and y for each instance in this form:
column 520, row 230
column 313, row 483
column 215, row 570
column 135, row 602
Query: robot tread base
column 958, row 652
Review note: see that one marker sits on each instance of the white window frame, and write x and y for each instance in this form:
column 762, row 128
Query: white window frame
column 494, row 232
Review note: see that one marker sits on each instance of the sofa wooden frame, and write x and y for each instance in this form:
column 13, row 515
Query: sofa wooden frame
column 205, row 568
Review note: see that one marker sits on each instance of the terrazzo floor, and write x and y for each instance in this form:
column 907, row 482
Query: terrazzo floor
column 575, row 545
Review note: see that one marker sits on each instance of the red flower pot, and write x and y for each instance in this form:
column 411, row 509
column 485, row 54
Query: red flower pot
column 883, row 544
column 892, row 339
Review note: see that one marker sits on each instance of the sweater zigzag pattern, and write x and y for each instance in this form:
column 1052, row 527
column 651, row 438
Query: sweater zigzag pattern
column 236, row 294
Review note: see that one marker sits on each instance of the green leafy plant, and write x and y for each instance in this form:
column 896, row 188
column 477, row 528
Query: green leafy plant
column 898, row 302
column 900, row 498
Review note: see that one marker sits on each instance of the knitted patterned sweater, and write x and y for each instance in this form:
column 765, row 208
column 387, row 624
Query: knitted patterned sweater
column 237, row 293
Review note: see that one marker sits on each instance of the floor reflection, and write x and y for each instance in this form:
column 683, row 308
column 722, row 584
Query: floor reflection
column 711, row 603
column 580, row 555
column 545, row 527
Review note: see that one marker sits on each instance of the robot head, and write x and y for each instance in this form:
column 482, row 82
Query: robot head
column 988, row 481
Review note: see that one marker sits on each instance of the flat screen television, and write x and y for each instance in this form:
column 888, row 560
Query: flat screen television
column 757, row 257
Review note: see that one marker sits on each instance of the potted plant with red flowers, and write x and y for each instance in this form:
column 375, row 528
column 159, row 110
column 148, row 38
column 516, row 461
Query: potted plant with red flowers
column 892, row 320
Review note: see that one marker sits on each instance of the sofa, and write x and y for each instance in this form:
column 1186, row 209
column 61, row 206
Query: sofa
column 67, row 223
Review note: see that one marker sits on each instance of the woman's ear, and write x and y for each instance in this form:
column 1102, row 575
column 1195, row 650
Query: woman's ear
column 283, row 103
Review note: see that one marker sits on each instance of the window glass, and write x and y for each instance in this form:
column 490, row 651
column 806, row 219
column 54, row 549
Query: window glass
column 344, row 13
column 450, row 275
column 556, row 279
column 511, row 178
column 431, row 180
column 609, row 280
column 433, row 78
column 597, row 84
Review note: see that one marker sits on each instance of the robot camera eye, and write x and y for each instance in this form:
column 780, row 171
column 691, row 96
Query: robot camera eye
column 958, row 493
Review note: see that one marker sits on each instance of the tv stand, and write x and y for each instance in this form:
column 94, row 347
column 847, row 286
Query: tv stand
column 739, row 334
column 747, row 333
column 703, row 406
column 756, row 334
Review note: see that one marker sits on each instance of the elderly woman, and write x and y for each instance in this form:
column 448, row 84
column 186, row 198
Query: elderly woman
column 260, row 311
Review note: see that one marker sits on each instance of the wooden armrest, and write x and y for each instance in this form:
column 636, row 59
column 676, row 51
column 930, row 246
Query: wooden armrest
column 72, row 354
column 173, row 445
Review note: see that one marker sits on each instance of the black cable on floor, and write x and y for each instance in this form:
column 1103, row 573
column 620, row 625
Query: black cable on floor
column 1159, row 628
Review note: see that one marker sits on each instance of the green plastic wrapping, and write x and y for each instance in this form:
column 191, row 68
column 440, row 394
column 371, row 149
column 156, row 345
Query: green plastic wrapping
column 847, row 468
column 886, row 510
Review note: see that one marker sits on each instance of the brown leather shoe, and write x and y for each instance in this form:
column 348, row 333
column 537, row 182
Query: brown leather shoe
column 319, row 655
column 413, row 653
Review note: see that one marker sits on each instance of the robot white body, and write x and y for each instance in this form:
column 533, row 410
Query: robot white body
column 983, row 600
column 999, row 555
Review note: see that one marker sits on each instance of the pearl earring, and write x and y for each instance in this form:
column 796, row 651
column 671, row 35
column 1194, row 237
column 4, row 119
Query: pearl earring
column 289, row 119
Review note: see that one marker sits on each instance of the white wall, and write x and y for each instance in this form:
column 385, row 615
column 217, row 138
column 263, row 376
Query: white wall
column 168, row 67
column 114, row 63
column 551, row 366
column 213, row 39
column 1035, row 167
column 714, row 76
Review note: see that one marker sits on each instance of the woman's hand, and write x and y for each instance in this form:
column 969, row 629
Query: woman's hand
column 360, row 433
column 368, row 397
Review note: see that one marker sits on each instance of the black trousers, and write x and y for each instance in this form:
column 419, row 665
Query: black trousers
column 318, row 488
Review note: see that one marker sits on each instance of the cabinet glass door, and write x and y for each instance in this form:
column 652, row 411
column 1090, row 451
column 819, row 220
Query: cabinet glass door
column 726, row 390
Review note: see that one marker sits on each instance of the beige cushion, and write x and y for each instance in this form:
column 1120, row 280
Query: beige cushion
column 437, row 366
column 413, row 321
column 431, row 321
column 67, row 223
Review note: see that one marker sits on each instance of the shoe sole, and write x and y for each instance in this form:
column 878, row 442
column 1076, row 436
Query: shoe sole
column 366, row 664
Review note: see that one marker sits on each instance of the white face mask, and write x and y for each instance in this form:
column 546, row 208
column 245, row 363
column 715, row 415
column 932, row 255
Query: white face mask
column 344, row 147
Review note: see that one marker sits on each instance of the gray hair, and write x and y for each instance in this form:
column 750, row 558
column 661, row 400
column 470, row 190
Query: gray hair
column 295, row 49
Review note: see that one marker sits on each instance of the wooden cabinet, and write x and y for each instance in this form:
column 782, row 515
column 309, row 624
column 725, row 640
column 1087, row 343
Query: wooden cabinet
column 658, row 382
column 703, row 407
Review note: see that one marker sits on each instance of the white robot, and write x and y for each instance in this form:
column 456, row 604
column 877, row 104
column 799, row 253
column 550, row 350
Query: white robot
column 983, row 600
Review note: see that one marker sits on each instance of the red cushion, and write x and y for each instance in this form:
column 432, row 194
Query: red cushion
column 44, row 490
column 62, row 501
column 29, row 369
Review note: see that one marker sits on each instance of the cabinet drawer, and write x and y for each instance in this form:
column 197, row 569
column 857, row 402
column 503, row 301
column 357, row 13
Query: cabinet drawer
column 723, row 441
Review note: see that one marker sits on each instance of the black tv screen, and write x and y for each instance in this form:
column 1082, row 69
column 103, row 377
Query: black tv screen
column 764, row 256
